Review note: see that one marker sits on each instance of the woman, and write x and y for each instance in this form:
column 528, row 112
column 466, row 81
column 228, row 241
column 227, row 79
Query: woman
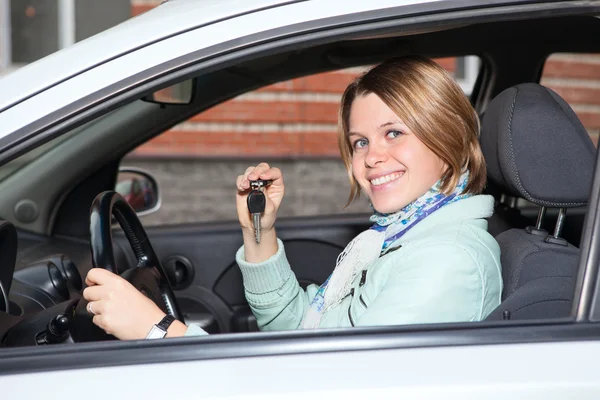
column 409, row 140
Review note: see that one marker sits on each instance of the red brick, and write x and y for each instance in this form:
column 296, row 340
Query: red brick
column 328, row 82
column 577, row 95
column 590, row 120
column 211, row 144
column 239, row 111
column 333, row 82
column 137, row 9
column 571, row 69
column 448, row 63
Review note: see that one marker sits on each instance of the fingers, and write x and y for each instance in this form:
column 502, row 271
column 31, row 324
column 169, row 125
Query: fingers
column 100, row 319
column 243, row 183
column 273, row 174
column 261, row 171
column 97, row 292
column 238, row 182
column 99, row 276
column 258, row 171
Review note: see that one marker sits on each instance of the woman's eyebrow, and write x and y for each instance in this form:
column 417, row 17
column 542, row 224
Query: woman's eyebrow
column 384, row 125
column 390, row 123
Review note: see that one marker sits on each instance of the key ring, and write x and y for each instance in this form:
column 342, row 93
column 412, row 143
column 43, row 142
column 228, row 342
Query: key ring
column 260, row 183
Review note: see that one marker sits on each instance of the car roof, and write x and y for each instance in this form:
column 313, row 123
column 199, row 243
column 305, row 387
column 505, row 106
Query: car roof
column 168, row 19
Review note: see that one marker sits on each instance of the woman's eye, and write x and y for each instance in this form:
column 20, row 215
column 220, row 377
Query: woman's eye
column 393, row 134
column 360, row 143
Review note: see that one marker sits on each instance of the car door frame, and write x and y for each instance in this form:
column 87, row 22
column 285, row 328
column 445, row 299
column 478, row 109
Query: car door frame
column 259, row 345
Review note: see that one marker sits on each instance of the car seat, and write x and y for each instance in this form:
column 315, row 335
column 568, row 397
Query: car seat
column 536, row 148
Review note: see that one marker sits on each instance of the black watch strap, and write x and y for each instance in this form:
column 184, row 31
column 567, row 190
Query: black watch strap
column 166, row 322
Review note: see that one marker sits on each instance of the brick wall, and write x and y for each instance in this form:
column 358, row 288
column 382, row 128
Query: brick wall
column 298, row 118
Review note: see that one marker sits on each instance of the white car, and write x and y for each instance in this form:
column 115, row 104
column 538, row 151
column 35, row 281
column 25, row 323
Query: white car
column 67, row 120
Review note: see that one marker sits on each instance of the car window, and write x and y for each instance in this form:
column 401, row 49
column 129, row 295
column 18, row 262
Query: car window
column 576, row 78
column 291, row 124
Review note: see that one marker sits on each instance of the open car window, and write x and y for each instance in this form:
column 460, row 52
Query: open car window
column 576, row 78
column 292, row 124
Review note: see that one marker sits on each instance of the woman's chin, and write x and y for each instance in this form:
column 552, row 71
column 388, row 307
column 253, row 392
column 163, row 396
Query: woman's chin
column 387, row 207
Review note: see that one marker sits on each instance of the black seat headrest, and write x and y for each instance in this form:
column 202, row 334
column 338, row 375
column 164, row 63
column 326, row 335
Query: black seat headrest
column 536, row 147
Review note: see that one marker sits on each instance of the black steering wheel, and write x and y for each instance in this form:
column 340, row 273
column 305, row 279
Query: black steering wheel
column 149, row 277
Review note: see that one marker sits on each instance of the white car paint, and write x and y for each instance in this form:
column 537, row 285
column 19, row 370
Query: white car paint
column 528, row 372
column 168, row 19
column 70, row 62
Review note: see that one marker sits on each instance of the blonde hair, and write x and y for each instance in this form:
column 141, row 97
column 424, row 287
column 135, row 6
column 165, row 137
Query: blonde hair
column 433, row 106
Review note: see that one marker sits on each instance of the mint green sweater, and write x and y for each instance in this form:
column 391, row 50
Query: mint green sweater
column 446, row 269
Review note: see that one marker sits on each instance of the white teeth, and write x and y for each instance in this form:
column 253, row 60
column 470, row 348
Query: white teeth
column 385, row 179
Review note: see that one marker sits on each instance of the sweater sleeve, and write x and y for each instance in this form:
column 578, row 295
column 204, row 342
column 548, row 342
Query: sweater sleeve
column 273, row 292
column 439, row 284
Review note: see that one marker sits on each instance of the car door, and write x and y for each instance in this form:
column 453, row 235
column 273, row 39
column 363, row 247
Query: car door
column 214, row 294
column 205, row 253
column 521, row 362
column 451, row 361
column 291, row 124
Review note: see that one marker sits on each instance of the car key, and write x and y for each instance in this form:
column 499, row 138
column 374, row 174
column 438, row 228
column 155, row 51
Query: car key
column 256, row 205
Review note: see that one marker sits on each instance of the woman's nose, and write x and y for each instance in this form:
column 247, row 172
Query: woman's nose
column 375, row 155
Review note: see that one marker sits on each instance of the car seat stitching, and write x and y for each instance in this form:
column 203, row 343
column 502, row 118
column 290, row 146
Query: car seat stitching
column 514, row 164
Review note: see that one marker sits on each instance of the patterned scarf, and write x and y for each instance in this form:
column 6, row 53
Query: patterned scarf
column 374, row 242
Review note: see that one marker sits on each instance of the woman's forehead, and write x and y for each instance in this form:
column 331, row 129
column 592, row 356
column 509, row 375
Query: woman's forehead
column 369, row 113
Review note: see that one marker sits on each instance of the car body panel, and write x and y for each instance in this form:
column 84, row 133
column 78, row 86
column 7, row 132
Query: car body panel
column 484, row 372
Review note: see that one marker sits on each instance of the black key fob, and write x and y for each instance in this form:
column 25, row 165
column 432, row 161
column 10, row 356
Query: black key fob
column 256, row 202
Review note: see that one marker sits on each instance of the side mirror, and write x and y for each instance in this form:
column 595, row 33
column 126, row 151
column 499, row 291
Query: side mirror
column 139, row 188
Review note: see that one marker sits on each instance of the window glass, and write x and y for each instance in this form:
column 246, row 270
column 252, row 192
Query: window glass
column 291, row 125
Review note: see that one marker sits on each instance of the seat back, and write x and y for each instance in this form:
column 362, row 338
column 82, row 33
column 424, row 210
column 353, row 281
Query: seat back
column 537, row 149
column 539, row 277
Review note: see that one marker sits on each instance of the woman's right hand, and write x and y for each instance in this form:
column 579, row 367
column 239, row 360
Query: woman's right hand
column 273, row 196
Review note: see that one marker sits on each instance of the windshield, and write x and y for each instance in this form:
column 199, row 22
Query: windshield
column 11, row 167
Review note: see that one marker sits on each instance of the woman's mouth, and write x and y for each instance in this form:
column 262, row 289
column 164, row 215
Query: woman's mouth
column 381, row 180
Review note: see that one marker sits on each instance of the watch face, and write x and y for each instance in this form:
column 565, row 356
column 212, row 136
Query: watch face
column 156, row 333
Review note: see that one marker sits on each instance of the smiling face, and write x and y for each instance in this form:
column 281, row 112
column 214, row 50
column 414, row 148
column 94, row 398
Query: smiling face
column 391, row 165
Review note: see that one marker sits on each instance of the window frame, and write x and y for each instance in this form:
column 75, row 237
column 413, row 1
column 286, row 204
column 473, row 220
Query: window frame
column 86, row 355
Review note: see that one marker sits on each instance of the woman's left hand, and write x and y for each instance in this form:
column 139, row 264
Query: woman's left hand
column 118, row 307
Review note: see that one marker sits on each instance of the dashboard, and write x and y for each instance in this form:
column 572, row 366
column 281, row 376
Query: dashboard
column 41, row 281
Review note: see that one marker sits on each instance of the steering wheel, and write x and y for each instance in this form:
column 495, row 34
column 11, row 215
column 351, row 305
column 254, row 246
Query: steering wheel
column 149, row 277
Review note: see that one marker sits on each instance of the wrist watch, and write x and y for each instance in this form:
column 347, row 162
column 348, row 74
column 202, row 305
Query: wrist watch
column 159, row 330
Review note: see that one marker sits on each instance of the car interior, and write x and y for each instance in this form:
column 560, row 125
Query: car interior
column 540, row 184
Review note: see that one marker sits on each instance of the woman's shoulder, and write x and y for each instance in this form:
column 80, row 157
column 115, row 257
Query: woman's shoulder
column 450, row 219
column 457, row 236
column 464, row 239
column 466, row 244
